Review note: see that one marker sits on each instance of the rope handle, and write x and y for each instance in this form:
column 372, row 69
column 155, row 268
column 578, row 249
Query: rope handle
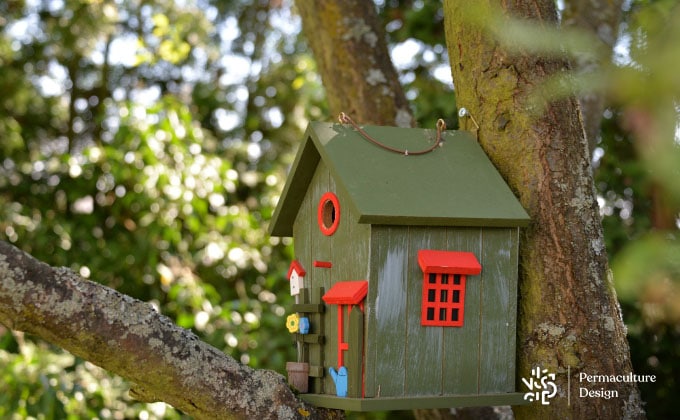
column 441, row 126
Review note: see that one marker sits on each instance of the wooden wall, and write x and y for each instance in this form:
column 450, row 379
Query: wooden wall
column 404, row 358
column 401, row 357
column 347, row 249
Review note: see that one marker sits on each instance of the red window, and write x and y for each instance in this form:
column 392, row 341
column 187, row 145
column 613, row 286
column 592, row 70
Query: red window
column 444, row 276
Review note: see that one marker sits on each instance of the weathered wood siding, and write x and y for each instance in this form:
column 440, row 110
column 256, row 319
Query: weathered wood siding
column 499, row 310
column 386, row 313
column 404, row 358
column 347, row 249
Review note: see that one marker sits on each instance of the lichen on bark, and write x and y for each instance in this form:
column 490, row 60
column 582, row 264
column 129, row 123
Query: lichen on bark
column 351, row 53
column 128, row 337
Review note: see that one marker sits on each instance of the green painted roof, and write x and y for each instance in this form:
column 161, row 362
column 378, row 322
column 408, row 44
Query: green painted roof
column 454, row 185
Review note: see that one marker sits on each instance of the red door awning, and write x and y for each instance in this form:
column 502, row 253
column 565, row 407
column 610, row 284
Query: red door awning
column 346, row 293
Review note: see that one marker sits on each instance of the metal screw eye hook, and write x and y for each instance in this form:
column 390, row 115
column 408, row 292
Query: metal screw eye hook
column 463, row 112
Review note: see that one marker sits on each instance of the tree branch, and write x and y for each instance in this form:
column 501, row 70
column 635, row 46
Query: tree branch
column 350, row 50
column 128, row 337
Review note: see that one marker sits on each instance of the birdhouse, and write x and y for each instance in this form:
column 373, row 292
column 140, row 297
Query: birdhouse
column 411, row 288
column 296, row 275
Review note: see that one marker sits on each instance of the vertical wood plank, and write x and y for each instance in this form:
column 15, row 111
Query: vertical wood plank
column 316, row 356
column 302, row 347
column 355, row 341
column 424, row 345
column 499, row 309
column 511, row 314
column 302, row 235
column 350, row 244
column 388, row 317
column 461, row 345
column 320, row 249
column 302, row 245
column 376, row 250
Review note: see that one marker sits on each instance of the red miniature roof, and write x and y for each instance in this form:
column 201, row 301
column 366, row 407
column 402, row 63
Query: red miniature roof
column 346, row 293
column 448, row 262
column 295, row 265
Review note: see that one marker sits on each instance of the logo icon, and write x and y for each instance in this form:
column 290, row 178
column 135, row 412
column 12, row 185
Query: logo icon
column 541, row 386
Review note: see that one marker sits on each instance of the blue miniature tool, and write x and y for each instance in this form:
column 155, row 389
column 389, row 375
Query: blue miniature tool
column 340, row 379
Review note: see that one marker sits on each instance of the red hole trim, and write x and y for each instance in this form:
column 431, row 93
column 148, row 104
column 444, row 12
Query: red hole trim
column 328, row 217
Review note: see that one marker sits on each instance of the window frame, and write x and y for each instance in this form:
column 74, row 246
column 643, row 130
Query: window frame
column 438, row 292
column 445, row 275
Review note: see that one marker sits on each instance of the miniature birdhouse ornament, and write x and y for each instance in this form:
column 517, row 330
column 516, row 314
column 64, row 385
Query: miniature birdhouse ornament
column 295, row 275
column 410, row 239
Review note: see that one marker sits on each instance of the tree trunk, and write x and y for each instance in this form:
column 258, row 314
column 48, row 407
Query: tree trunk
column 569, row 317
column 351, row 54
column 600, row 18
column 129, row 338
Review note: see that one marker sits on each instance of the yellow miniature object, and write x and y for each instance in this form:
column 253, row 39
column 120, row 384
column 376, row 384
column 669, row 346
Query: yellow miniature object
column 293, row 323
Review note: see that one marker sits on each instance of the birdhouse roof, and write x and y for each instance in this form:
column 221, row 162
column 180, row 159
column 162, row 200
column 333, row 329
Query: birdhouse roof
column 454, row 185
column 295, row 265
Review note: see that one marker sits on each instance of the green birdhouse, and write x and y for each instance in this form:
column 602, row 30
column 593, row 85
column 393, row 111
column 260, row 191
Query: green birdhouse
column 409, row 294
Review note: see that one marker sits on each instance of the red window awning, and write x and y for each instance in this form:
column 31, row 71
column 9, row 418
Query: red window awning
column 346, row 293
column 448, row 262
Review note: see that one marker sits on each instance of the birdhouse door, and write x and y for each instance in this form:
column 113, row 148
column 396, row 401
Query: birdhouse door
column 349, row 297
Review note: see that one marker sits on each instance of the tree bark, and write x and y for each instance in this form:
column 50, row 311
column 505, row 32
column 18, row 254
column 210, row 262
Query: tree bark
column 351, row 54
column 569, row 317
column 129, row 338
column 600, row 18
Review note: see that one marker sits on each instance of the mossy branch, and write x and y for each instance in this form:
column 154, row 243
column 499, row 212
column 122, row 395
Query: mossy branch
column 128, row 337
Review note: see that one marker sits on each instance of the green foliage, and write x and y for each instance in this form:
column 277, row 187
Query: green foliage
column 138, row 156
column 637, row 177
column 39, row 381
column 144, row 145
column 622, row 184
column 419, row 25
column 654, row 287
column 655, row 350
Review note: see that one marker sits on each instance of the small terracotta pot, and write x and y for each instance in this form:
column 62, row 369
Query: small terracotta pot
column 298, row 375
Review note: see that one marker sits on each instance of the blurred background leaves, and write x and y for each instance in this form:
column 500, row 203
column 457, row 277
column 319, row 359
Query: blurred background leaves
column 143, row 144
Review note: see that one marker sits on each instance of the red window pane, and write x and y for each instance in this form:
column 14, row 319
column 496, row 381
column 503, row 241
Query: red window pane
column 430, row 314
column 431, row 294
column 443, row 300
